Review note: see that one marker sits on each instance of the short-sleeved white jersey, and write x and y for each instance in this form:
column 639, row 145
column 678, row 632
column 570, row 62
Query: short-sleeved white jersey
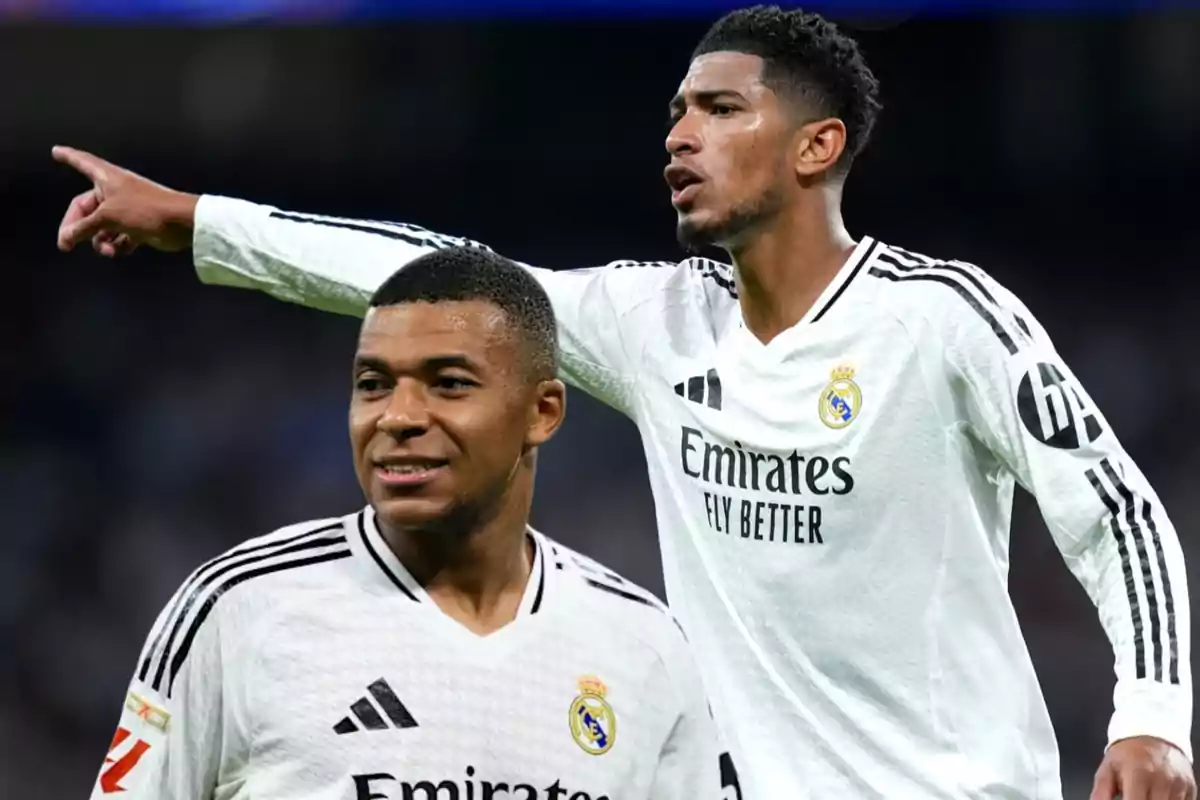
column 834, row 506
column 308, row 664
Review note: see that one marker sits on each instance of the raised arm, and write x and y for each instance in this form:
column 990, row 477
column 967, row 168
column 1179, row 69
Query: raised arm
column 334, row 264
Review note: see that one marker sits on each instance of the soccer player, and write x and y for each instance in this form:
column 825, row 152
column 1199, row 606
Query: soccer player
column 431, row 646
column 834, row 428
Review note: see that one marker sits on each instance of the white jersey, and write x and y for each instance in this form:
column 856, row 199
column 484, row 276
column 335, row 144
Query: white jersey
column 309, row 665
column 834, row 506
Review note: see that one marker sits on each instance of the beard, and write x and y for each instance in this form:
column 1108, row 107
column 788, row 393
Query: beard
column 727, row 230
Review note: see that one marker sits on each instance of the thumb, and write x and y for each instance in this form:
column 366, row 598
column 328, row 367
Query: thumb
column 1105, row 785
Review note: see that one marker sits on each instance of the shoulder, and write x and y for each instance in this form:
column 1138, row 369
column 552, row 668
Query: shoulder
column 699, row 276
column 224, row 597
column 279, row 557
column 951, row 296
column 628, row 610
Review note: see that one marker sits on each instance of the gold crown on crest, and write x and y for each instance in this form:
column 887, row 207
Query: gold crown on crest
column 590, row 684
column 842, row 372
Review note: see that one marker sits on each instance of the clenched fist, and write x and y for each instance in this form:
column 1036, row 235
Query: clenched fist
column 123, row 210
column 1144, row 768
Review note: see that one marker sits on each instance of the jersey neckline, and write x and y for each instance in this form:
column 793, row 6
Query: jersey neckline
column 370, row 546
column 833, row 291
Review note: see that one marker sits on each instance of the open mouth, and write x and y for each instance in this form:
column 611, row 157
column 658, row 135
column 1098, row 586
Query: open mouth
column 684, row 182
column 408, row 471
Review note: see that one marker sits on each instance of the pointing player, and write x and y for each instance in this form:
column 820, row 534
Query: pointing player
column 834, row 428
column 431, row 646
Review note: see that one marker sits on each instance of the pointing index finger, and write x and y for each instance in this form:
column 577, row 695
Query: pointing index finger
column 92, row 167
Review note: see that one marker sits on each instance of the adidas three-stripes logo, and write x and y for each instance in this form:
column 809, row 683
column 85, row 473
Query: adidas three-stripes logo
column 702, row 389
column 368, row 715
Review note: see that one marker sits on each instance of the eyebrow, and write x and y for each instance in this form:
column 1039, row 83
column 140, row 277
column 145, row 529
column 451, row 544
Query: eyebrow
column 705, row 97
column 433, row 363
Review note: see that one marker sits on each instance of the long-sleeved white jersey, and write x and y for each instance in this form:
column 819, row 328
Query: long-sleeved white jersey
column 308, row 664
column 834, row 506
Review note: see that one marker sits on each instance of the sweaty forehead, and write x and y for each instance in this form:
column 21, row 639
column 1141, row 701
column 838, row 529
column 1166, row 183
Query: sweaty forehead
column 723, row 71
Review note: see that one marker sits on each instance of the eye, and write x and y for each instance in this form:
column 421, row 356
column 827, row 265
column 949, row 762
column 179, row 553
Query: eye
column 453, row 383
column 370, row 384
column 722, row 110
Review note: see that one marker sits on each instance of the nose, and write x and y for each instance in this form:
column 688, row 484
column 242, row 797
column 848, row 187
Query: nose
column 407, row 412
column 683, row 138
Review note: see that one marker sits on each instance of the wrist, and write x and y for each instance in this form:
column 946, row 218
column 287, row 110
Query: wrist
column 181, row 210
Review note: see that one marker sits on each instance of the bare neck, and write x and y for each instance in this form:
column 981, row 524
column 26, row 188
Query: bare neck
column 479, row 577
column 782, row 268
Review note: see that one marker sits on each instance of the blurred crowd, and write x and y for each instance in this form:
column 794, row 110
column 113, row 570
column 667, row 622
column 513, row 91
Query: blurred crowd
column 151, row 422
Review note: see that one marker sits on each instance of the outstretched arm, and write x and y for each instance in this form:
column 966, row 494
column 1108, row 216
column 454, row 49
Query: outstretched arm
column 335, row 264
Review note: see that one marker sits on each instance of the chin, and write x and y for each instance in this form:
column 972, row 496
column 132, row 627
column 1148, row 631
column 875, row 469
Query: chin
column 412, row 512
column 697, row 230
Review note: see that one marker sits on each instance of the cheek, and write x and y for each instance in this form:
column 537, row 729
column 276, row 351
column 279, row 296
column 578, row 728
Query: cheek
column 747, row 163
column 361, row 428
column 488, row 436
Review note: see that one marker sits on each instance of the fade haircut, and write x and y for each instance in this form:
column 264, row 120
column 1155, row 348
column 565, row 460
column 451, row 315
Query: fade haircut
column 805, row 57
column 472, row 273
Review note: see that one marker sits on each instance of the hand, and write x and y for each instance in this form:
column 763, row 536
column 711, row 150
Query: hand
column 1144, row 768
column 123, row 210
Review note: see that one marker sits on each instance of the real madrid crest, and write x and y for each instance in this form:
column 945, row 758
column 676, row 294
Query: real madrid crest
column 841, row 399
column 593, row 722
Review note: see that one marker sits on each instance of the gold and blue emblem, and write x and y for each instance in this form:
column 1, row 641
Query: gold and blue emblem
column 841, row 399
column 593, row 721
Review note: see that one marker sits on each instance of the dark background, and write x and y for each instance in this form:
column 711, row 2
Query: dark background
column 151, row 422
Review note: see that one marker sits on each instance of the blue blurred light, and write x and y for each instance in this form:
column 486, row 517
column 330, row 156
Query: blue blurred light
column 210, row 11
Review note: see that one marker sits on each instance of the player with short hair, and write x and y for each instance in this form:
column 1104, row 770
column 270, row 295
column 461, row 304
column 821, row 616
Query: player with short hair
column 834, row 429
column 431, row 646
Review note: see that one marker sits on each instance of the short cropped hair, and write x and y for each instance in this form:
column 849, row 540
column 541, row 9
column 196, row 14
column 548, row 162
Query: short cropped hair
column 473, row 273
column 804, row 55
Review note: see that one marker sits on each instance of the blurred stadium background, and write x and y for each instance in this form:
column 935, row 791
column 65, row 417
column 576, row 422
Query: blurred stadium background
column 150, row 422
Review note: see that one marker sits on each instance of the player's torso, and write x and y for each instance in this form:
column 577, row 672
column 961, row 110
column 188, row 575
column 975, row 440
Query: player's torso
column 365, row 697
column 818, row 504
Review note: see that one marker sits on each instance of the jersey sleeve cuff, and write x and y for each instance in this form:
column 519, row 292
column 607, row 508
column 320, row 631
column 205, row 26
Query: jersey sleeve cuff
column 1149, row 708
column 215, row 235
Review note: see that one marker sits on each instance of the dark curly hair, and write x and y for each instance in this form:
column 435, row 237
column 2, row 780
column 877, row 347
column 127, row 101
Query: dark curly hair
column 804, row 55
column 473, row 273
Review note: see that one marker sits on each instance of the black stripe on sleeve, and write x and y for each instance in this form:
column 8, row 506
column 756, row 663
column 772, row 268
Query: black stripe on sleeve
column 186, row 645
column 416, row 237
column 362, row 532
column 946, row 280
column 1168, row 598
column 1135, row 610
column 715, row 271
column 637, row 598
column 198, row 589
column 188, row 586
column 925, row 262
column 1139, row 541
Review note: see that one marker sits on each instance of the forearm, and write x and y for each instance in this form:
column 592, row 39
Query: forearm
column 326, row 263
column 1135, row 573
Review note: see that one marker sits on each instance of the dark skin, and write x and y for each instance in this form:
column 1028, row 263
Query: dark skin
column 445, row 423
column 769, row 194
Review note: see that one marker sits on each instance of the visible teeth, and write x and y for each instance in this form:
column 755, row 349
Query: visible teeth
column 406, row 469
